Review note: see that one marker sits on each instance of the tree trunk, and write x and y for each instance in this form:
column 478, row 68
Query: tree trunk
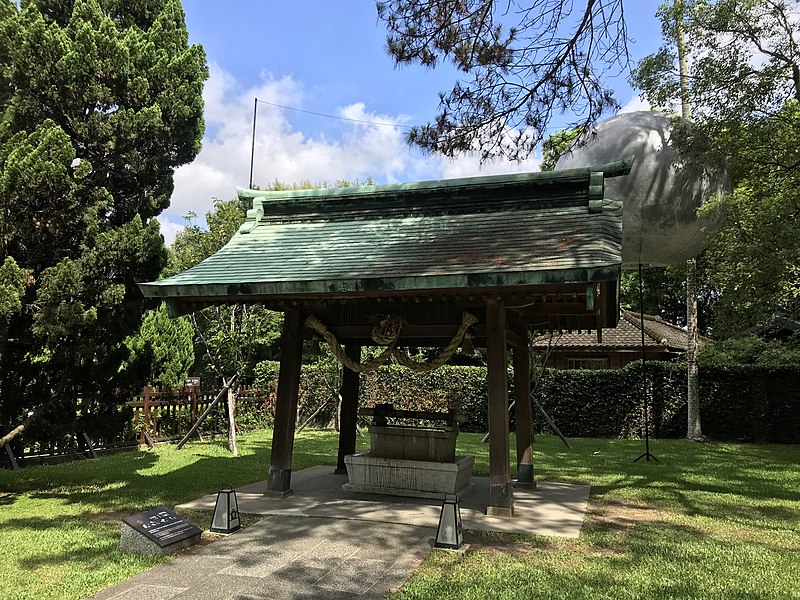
column 19, row 429
column 680, row 42
column 693, row 431
column 232, row 420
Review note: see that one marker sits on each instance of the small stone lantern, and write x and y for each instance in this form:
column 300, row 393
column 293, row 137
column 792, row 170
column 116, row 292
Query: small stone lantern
column 226, row 512
column 450, row 534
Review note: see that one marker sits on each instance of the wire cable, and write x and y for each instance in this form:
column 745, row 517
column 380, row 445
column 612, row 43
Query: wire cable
column 327, row 116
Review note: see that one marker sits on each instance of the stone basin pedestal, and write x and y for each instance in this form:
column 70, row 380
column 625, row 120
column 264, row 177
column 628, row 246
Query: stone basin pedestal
column 414, row 478
column 410, row 461
column 413, row 443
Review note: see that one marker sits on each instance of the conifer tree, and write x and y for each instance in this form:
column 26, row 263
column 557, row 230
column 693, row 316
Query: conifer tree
column 102, row 100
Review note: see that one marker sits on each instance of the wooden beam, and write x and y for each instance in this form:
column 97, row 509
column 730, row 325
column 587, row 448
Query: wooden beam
column 348, row 419
column 522, row 412
column 501, row 494
column 557, row 308
column 364, row 332
column 12, row 459
column 280, row 471
column 515, row 340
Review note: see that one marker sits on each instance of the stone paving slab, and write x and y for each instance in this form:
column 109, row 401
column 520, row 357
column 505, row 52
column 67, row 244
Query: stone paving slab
column 281, row 558
column 555, row 509
column 323, row 543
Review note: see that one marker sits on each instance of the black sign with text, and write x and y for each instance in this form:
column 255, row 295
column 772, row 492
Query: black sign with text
column 162, row 526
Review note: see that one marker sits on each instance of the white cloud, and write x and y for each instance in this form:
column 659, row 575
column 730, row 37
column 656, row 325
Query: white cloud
column 287, row 155
column 169, row 229
column 470, row 166
column 281, row 152
column 635, row 104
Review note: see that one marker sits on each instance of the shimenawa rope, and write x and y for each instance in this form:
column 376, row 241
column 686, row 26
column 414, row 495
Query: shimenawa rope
column 387, row 333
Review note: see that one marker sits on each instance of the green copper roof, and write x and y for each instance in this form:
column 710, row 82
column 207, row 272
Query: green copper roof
column 508, row 230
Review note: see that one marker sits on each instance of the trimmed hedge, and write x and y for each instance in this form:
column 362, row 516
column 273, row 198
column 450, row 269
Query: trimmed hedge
column 742, row 403
column 463, row 388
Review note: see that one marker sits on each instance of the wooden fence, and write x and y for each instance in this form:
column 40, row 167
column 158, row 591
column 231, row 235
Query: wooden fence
column 159, row 414
column 167, row 414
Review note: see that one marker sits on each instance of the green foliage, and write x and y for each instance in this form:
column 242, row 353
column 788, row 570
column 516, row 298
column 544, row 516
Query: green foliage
column 556, row 145
column 233, row 338
column 460, row 388
column 755, row 258
column 739, row 402
column 12, row 289
column 167, row 344
column 751, row 350
column 755, row 128
column 664, row 291
column 102, row 101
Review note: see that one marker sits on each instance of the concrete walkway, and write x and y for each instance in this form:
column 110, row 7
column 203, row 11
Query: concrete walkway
column 288, row 558
column 324, row 543
column 549, row 509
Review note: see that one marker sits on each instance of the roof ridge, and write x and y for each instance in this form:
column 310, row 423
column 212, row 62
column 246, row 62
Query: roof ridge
column 610, row 169
column 635, row 319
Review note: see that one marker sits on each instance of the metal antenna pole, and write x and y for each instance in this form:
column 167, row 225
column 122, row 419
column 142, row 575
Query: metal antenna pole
column 253, row 143
column 647, row 456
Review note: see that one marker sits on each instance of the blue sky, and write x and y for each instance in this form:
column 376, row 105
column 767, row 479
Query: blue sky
column 326, row 57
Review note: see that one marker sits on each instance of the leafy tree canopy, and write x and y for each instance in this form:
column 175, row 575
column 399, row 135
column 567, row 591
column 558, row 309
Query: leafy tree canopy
column 102, row 101
column 524, row 63
column 752, row 350
column 165, row 345
column 744, row 86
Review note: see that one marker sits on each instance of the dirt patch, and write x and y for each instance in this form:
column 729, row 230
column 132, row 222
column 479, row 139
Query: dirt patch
column 109, row 516
column 508, row 544
column 619, row 515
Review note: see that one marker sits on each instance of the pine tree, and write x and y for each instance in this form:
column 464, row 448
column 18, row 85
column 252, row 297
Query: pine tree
column 102, row 101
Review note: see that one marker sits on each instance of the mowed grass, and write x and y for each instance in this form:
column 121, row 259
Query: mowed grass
column 60, row 524
column 706, row 521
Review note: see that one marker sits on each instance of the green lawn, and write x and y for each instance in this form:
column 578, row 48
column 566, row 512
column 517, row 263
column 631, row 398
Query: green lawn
column 707, row 521
column 59, row 525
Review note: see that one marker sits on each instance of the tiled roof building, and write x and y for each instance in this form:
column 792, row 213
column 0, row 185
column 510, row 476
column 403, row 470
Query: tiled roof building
column 618, row 346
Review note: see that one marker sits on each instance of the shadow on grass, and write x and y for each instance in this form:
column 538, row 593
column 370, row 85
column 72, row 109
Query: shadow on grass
column 140, row 479
column 757, row 487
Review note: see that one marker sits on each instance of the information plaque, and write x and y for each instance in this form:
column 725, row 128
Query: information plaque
column 162, row 526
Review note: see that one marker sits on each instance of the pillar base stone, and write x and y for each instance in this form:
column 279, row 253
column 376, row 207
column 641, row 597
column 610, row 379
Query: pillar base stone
column 279, row 483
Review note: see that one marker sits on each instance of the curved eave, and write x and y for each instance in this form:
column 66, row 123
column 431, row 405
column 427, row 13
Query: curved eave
column 465, row 283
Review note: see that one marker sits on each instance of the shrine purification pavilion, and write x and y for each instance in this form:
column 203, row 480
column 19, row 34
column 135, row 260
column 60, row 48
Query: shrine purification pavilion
column 491, row 258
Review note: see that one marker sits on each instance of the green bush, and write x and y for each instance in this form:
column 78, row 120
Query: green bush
column 749, row 403
column 460, row 388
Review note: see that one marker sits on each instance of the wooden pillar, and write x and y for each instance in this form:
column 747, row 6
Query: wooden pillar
column 280, row 470
column 501, row 494
column 348, row 418
column 522, row 411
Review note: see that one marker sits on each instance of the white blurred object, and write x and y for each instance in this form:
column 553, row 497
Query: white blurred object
column 662, row 193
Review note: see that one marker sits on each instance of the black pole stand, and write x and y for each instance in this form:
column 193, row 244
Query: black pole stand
column 647, row 456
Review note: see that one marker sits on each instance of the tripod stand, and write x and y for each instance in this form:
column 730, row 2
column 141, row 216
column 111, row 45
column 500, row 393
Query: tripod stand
column 647, row 456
